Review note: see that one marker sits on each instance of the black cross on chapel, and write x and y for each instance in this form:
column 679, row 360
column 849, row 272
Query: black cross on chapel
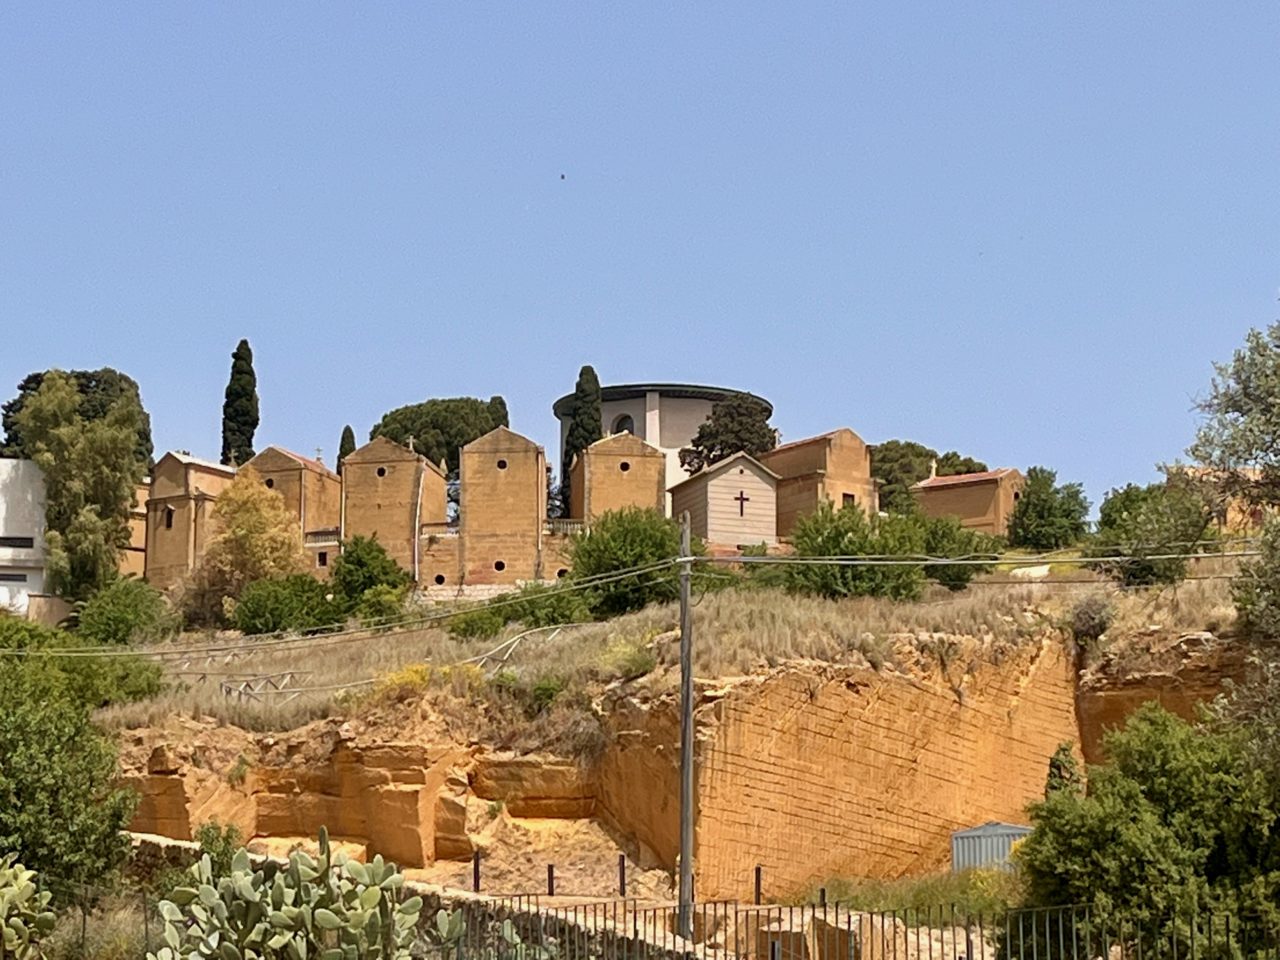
column 743, row 500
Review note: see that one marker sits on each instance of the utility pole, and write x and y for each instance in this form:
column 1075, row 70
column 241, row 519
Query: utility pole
column 685, row 916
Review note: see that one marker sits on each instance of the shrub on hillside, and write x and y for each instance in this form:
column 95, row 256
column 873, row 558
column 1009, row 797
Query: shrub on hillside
column 380, row 605
column 60, row 809
column 127, row 611
column 621, row 540
column 92, row 681
column 1256, row 589
column 1180, row 818
column 362, row 565
column 540, row 605
column 946, row 537
column 850, row 533
column 1139, row 523
column 295, row 603
column 1091, row 617
column 478, row 623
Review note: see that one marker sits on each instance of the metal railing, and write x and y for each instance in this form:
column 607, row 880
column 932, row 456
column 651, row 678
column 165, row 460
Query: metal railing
column 564, row 527
column 322, row 538
column 442, row 528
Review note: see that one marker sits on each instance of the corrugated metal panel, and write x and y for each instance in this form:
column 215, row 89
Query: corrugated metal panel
column 985, row 846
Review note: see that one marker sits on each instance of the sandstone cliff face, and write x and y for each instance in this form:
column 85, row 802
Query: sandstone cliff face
column 818, row 771
column 811, row 770
column 1179, row 671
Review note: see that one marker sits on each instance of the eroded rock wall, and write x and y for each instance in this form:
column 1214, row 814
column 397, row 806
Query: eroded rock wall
column 822, row 771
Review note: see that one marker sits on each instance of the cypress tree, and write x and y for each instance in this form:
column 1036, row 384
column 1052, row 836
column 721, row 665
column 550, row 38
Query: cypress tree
column 240, row 408
column 584, row 425
column 346, row 445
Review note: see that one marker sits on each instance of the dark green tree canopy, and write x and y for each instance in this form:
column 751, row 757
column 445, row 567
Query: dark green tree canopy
column 98, row 389
column 1181, row 818
column 739, row 424
column 346, row 445
column 1239, row 438
column 899, row 464
column 441, row 427
column 240, row 408
column 1048, row 515
column 584, row 425
column 1137, row 523
column 362, row 566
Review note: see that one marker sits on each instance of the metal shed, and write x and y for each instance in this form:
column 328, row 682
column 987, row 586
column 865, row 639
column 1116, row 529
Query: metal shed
column 985, row 846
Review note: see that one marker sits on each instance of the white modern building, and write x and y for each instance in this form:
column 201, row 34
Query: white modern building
column 22, row 554
column 664, row 415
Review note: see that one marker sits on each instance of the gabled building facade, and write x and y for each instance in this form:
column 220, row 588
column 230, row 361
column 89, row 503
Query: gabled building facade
column 830, row 468
column 180, row 515
column 730, row 503
column 502, row 508
column 616, row 472
column 980, row 501
column 313, row 494
column 392, row 494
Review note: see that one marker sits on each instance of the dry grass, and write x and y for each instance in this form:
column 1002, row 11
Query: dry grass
column 736, row 632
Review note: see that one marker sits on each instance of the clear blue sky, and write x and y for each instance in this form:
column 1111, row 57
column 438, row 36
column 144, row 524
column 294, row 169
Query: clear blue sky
column 1022, row 230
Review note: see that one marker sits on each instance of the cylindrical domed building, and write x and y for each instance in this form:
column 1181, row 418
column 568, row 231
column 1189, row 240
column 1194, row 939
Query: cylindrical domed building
column 664, row 415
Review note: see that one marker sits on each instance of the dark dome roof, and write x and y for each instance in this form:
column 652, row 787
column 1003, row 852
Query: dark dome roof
column 632, row 391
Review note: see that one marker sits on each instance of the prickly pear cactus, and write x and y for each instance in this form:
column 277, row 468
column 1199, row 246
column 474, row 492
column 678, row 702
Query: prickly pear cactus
column 332, row 908
column 25, row 916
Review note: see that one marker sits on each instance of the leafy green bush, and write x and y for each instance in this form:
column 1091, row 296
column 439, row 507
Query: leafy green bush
column 380, row 605
column 849, row 533
column 297, row 602
column 328, row 907
column 1138, row 523
column 478, row 623
column 1181, row 818
column 540, row 605
column 362, row 565
column 25, row 916
column 1048, row 515
column 620, row 540
column 92, row 681
column 1256, row 589
column 1091, row 617
column 60, row 810
column 220, row 844
column 946, row 537
column 928, row 898
column 127, row 611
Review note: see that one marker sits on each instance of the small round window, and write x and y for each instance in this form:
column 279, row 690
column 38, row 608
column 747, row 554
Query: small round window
column 502, row 464
column 561, row 573
column 270, row 482
column 499, row 565
column 439, row 579
column 382, row 471
column 624, row 466
column 1017, row 495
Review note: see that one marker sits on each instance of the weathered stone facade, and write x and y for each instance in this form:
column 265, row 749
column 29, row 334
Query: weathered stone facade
column 502, row 508
column 180, row 515
column 313, row 495
column 830, row 468
column 616, row 472
column 391, row 494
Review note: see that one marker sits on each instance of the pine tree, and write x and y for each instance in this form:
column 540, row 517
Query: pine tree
column 584, row 424
column 737, row 424
column 240, row 409
column 346, row 445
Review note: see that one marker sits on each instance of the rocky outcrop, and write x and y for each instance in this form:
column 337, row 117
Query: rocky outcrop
column 810, row 770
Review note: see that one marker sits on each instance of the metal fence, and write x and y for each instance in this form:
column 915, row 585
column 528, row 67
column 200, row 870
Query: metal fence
column 126, row 925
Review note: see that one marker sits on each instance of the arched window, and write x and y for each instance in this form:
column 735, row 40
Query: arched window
column 624, row 424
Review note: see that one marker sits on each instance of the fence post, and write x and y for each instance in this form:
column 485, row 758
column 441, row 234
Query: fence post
column 622, row 875
column 146, row 924
column 551, row 879
column 759, row 884
column 822, row 896
column 475, row 872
